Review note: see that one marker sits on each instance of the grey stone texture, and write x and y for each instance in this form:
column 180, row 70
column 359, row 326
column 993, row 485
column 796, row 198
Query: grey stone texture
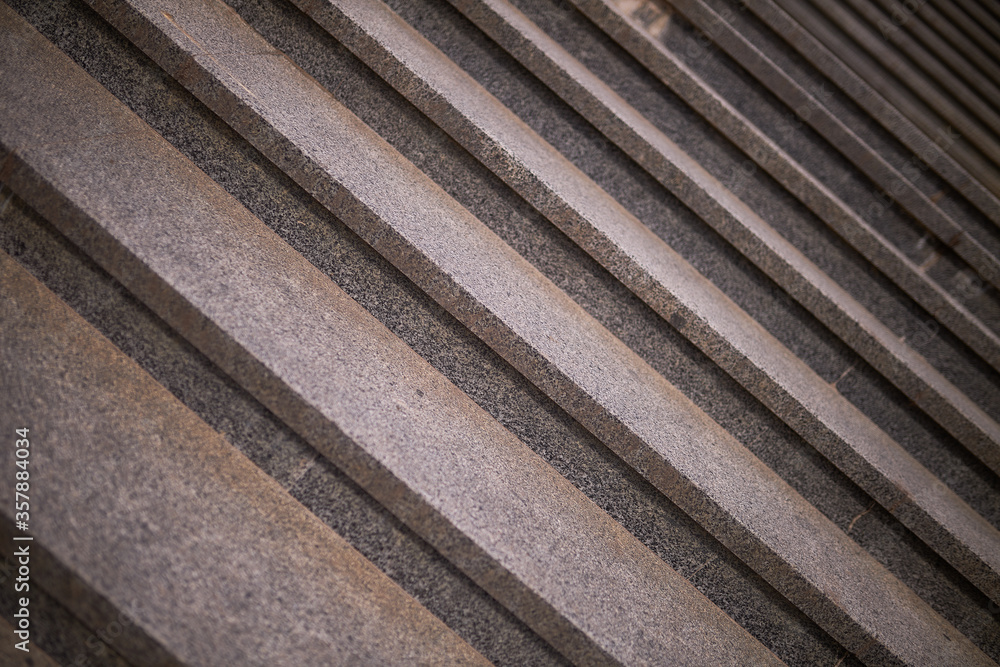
column 656, row 273
column 268, row 442
column 893, row 71
column 143, row 508
column 300, row 137
column 817, row 101
column 443, row 342
column 934, row 62
column 508, row 396
column 963, row 32
column 619, row 241
column 919, row 328
column 954, row 163
column 839, row 310
column 872, row 290
column 942, row 27
column 762, row 151
column 324, row 365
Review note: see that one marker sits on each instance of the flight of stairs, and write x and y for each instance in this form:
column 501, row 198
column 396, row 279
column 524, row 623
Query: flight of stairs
column 510, row 331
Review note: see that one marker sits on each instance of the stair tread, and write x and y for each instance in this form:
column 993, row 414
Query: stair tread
column 394, row 424
column 439, row 245
column 184, row 512
column 659, row 275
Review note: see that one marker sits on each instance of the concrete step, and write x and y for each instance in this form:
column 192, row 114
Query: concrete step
column 650, row 268
column 828, row 28
column 306, row 475
column 151, row 513
column 634, row 134
column 779, row 258
column 644, row 142
column 894, row 69
column 905, row 24
column 983, row 16
column 517, row 325
column 809, row 189
column 970, row 29
column 456, row 353
column 363, row 399
column 805, row 74
column 943, row 27
column 975, row 94
column 848, row 125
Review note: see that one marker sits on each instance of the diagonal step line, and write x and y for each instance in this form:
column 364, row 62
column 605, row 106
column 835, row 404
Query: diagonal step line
column 855, row 148
column 944, row 93
column 979, row 16
column 549, row 189
column 970, row 83
column 512, row 307
column 942, row 28
column 779, row 165
column 968, row 64
column 655, row 272
column 953, row 161
column 787, row 24
column 970, row 30
column 357, row 393
column 115, row 442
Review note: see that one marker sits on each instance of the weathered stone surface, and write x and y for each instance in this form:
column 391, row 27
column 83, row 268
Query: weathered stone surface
column 644, row 263
column 879, row 345
column 893, row 70
column 629, row 135
column 417, row 443
column 143, row 506
column 963, row 32
column 448, row 346
column 953, row 159
column 813, row 104
column 519, row 160
column 940, row 26
column 971, row 87
column 271, row 445
column 452, row 255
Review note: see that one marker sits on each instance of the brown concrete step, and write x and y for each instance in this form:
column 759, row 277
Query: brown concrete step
column 984, row 16
column 137, row 506
column 772, row 59
column 942, row 27
column 899, row 109
column 634, row 135
column 903, row 23
column 649, row 267
column 676, row 45
column 555, row 187
column 782, row 266
column 971, row 31
column 454, row 351
column 356, row 392
column 932, row 56
column 900, row 62
column 538, row 329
